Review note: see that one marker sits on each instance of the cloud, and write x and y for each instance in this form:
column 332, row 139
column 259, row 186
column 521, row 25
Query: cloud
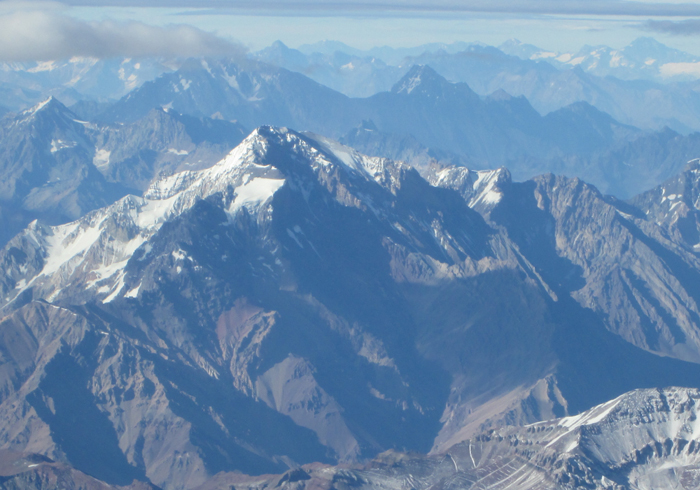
column 49, row 34
column 409, row 7
column 689, row 27
column 26, row 5
column 669, row 70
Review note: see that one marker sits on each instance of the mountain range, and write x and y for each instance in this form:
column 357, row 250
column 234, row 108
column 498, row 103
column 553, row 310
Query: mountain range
column 79, row 78
column 464, row 267
column 67, row 165
column 298, row 302
column 643, row 59
column 645, row 84
column 426, row 115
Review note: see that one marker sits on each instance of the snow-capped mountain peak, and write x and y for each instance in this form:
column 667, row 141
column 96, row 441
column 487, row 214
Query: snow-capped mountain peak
column 40, row 105
column 418, row 76
column 50, row 105
column 383, row 171
column 99, row 245
column 635, row 439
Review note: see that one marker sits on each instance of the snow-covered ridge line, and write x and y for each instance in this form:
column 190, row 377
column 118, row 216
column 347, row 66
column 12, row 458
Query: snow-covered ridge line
column 612, row 431
column 38, row 107
column 89, row 249
column 480, row 188
column 251, row 149
column 373, row 168
column 91, row 253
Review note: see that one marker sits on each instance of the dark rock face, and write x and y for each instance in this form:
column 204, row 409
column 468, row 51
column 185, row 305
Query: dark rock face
column 632, row 263
column 299, row 302
column 613, row 258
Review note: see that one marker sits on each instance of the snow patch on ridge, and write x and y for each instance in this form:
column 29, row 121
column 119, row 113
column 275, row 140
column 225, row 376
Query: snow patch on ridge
column 485, row 188
column 67, row 242
column 177, row 152
column 38, row 107
column 58, row 145
column 252, row 193
column 348, row 156
column 101, row 158
column 543, row 55
column 43, row 66
column 479, row 188
column 590, row 417
column 133, row 293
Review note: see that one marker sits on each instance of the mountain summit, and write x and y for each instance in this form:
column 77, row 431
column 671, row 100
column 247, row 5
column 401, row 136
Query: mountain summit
column 424, row 81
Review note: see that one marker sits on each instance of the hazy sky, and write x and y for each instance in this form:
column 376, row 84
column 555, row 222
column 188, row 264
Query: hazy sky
column 39, row 29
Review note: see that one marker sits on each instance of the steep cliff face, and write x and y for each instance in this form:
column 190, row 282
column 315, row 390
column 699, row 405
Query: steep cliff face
column 610, row 260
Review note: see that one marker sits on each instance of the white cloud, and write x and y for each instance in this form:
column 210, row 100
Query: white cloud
column 644, row 8
column 669, row 70
column 31, row 33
